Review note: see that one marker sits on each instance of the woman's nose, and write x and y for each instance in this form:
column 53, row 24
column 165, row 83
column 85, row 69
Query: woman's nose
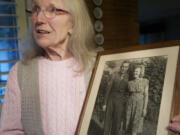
column 41, row 18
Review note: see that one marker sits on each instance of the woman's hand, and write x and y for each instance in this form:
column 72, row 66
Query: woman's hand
column 175, row 124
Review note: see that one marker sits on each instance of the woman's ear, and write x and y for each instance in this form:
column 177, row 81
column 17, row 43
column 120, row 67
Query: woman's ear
column 71, row 28
column 70, row 31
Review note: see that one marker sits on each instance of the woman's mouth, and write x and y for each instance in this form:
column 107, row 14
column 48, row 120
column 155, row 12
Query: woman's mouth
column 42, row 32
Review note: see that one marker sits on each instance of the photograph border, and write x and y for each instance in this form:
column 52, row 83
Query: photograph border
column 175, row 107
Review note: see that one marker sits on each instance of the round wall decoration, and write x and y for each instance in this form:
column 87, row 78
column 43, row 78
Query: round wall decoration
column 98, row 26
column 98, row 13
column 99, row 39
column 98, row 2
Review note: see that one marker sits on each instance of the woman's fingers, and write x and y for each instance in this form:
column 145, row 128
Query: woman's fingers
column 174, row 126
column 176, row 119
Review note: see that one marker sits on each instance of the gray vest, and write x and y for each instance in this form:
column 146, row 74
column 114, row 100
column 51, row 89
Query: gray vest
column 30, row 100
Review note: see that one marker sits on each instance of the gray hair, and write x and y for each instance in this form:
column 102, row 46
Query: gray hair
column 81, row 44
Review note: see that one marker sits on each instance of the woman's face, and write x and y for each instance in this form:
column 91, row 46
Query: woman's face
column 50, row 31
column 137, row 72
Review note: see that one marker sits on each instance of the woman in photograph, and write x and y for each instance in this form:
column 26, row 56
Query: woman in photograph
column 137, row 101
column 46, row 90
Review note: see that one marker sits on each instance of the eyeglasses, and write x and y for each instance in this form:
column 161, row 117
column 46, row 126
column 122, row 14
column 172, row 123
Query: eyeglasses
column 50, row 12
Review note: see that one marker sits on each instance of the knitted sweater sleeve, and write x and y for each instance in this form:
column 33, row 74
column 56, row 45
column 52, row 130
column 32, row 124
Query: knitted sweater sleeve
column 10, row 122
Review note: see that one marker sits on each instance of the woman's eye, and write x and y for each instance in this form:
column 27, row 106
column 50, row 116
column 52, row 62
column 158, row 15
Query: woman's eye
column 35, row 9
column 53, row 9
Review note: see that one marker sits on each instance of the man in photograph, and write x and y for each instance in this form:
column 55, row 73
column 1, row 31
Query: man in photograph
column 115, row 100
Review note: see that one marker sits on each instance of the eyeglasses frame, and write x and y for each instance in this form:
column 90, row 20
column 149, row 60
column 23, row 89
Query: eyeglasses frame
column 30, row 12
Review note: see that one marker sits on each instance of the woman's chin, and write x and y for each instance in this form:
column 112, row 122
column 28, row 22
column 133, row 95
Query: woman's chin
column 43, row 43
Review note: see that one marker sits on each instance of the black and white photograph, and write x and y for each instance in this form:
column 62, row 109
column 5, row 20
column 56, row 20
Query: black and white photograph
column 129, row 97
column 129, row 93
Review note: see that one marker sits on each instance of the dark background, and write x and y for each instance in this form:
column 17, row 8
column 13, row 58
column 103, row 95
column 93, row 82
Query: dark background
column 134, row 22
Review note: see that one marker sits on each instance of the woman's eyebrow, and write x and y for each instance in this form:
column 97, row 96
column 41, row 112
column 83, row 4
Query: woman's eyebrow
column 35, row 4
column 50, row 5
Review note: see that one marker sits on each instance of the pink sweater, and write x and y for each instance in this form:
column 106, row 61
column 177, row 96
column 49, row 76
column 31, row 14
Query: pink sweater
column 62, row 93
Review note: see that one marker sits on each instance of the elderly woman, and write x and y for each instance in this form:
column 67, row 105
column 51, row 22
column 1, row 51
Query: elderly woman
column 137, row 102
column 45, row 91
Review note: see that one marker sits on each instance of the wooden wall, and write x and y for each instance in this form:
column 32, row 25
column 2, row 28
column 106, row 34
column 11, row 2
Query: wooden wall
column 120, row 19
